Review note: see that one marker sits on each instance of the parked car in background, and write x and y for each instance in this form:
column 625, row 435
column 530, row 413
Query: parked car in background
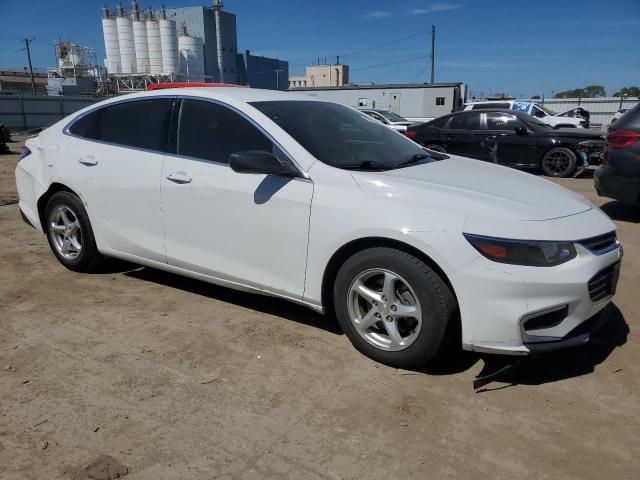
column 307, row 200
column 575, row 117
column 390, row 119
column 619, row 176
column 513, row 139
column 618, row 114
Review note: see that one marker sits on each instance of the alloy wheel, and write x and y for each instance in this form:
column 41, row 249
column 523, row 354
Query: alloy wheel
column 65, row 232
column 557, row 162
column 384, row 309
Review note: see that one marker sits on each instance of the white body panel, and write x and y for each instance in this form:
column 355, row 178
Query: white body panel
column 111, row 45
column 127, row 45
column 154, row 47
column 191, row 58
column 141, row 46
column 532, row 108
column 169, row 43
column 277, row 235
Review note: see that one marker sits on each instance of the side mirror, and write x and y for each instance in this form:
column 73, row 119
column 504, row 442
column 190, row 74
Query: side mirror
column 260, row 162
column 520, row 130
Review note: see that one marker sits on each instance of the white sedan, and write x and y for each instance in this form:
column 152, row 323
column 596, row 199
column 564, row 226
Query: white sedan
column 313, row 202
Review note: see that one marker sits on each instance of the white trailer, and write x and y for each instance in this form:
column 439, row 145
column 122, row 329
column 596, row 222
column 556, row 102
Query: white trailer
column 419, row 102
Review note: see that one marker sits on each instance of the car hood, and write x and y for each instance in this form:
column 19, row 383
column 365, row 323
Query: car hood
column 474, row 189
column 585, row 133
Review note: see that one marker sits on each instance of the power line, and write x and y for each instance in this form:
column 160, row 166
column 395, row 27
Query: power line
column 389, row 63
column 357, row 52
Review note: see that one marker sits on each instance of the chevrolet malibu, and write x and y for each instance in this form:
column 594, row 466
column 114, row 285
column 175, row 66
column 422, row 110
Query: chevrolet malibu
column 313, row 202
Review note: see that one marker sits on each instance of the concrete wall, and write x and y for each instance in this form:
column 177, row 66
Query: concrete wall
column 25, row 112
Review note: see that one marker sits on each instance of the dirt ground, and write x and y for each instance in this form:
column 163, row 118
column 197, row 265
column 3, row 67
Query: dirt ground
column 134, row 370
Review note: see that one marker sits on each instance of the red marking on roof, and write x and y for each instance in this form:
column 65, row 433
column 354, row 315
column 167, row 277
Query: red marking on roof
column 160, row 86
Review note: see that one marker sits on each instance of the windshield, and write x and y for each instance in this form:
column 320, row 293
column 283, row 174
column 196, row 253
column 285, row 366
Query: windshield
column 546, row 110
column 392, row 117
column 342, row 137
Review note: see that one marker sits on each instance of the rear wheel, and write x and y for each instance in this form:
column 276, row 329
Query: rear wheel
column 393, row 307
column 559, row 162
column 69, row 233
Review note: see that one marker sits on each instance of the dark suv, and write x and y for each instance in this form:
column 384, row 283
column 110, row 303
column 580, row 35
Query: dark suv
column 619, row 176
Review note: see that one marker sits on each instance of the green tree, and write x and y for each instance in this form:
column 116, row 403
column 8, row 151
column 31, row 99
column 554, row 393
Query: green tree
column 628, row 92
column 535, row 97
column 591, row 91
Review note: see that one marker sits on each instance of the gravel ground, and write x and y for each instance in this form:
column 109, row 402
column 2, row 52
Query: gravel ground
column 134, row 370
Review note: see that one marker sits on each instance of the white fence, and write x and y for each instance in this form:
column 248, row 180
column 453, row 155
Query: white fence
column 601, row 109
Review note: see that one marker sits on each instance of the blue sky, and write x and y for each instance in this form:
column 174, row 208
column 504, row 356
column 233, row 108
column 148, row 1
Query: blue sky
column 517, row 47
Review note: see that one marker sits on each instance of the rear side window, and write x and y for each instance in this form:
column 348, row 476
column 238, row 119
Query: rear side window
column 439, row 122
column 140, row 124
column 88, row 126
column 465, row 122
column 213, row 132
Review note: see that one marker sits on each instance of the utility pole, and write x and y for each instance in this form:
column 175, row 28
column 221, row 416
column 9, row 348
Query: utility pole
column 433, row 53
column 278, row 70
column 27, row 42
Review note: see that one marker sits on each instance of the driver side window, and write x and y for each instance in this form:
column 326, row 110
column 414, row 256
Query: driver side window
column 213, row 132
column 538, row 113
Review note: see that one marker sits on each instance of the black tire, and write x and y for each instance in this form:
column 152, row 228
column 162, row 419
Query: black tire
column 435, row 147
column 88, row 258
column 437, row 303
column 559, row 162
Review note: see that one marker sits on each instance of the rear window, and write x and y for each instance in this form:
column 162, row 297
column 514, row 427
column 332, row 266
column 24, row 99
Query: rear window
column 87, row 126
column 491, row 106
column 140, row 124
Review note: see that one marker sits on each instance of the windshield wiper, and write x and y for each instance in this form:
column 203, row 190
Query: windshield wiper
column 366, row 165
column 415, row 159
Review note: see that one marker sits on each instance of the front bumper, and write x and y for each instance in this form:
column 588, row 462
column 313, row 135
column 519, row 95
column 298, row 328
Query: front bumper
column 497, row 300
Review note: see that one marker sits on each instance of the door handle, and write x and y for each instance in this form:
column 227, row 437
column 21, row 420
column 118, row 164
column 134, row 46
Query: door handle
column 88, row 160
column 179, row 177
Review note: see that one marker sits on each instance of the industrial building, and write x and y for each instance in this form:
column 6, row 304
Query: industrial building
column 18, row 80
column 76, row 72
column 321, row 76
column 187, row 44
column 413, row 101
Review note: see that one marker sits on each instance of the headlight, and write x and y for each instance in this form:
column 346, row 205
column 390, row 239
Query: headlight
column 523, row 252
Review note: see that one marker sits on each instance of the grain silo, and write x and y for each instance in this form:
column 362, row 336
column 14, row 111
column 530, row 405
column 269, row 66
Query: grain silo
column 111, row 44
column 153, row 41
column 140, row 38
column 125, row 39
column 191, row 56
column 169, row 43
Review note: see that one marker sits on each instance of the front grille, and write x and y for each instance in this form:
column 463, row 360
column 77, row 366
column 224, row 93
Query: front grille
column 603, row 283
column 601, row 244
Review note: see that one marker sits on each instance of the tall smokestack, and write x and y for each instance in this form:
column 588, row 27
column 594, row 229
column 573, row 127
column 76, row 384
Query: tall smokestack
column 217, row 9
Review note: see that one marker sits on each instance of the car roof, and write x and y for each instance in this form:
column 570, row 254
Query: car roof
column 225, row 93
column 493, row 110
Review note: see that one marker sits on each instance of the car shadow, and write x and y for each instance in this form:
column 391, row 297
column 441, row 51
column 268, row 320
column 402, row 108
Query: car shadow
column 540, row 369
column 624, row 212
column 261, row 303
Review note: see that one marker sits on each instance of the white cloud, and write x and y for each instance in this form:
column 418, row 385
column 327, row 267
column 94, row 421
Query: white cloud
column 436, row 7
column 376, row 14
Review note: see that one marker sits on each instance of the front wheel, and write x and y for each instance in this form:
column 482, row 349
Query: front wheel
column 559, row 162
column 393, row 307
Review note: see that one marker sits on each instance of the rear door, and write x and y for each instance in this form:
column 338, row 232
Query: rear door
column 463, row 135
column 117, row 166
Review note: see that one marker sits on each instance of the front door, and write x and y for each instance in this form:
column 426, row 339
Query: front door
column 244, row 228
column 507, row 146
